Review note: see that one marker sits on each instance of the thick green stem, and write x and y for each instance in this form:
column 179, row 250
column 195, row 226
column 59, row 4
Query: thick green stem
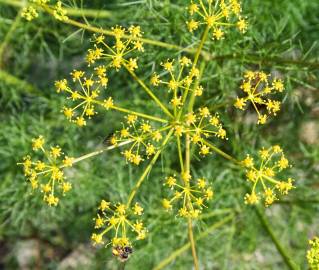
column 222, row 153
column 288, row 261
column 202, row 235
column 192, row 242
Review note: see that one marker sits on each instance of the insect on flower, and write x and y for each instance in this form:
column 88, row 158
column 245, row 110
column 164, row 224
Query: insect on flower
column 122, row 220
column 122, row 253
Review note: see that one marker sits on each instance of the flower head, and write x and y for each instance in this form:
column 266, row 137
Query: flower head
column 47, row 175
column 257, row 87
column 217, row 17
column 313, row 254
column 178, row 78
column 143, row 136
column 59, row 12
column 85, row 93
column 264, row 177
column 202, row 125
column 121, row 220
column 116, row 55
column 189, row 197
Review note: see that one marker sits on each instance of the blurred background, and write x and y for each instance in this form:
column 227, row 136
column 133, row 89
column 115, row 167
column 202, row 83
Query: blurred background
column 282, row 39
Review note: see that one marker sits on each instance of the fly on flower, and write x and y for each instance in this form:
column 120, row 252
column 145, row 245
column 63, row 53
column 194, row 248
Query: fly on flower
column 123, row 221
column 47, row 176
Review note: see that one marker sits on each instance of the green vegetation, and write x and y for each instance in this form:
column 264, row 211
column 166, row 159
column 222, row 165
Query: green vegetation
column 282, row 39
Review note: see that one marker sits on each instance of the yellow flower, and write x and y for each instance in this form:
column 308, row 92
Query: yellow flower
column 166, row 204
column 313, row 254
column 216, row 16
column 155, row 80
column 192, row 25
column 37, row 143
column 104, row 205
column 135, row 31
column 242, row 25
column 29, row 13
column 59, row 12
column 251, row 198
column 55, row 152
column 218, row 34
column 51, row 200
column 77, row 75
column 99, row 222
column 240, row 103
column 97, row 239
column 171, row 181
column 138, row 210
column 204, row 150
column 66, row 187
column 168, row 65
column 108, row 103
column 68, row 161
column 248, row 162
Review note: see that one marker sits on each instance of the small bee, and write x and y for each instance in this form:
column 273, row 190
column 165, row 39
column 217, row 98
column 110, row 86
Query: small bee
column 122, row 253
column 109, row 140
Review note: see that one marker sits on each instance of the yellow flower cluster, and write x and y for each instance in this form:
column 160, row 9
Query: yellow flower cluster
column 192, row 196
column 202, row 125
column 116, row 56
column 272, row 162
column 31, row 12
column 180, row 80
column 120, row 219
column 256, row 86
column 216, row 16
column 47, row 176
column 59, row 12
column 313, row 254
column 86, row 96
column 143, row 136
